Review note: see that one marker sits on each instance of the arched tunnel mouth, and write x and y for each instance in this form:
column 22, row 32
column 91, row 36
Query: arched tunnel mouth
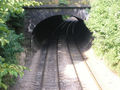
column 62, row 25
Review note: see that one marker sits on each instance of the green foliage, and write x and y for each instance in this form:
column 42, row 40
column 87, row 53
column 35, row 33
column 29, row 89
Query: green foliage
column 11, row 19
column 15, row 21
column 63, row 2
column 8, row 72
column 65, row 17
column 16, row 12
column 73, row 2
column 104, row 22
column 12, row 48
column 32, row 3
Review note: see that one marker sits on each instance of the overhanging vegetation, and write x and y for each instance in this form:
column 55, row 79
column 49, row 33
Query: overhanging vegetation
column 104, row 22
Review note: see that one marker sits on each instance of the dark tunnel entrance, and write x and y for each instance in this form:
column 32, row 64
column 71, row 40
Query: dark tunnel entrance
column 55, row 26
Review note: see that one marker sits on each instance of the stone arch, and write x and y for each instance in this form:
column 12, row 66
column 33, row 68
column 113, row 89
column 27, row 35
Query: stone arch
column 42, row 32
column 34, row 16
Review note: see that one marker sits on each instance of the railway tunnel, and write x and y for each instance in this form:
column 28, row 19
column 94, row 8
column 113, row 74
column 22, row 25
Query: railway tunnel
column 58, row 62
column 65, row 25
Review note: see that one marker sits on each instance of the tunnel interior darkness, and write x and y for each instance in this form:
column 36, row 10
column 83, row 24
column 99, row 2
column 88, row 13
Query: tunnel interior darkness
column 58, row 25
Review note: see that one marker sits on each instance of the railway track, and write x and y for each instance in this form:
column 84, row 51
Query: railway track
column 59, row 63
column 64, row 68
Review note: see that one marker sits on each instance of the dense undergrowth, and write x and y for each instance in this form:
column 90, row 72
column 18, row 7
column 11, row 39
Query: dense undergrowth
column 11, row 20
column 104, row 22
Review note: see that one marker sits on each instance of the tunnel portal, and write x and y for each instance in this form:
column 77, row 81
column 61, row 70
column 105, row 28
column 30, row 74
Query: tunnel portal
column 53, row 27
column 44, row 22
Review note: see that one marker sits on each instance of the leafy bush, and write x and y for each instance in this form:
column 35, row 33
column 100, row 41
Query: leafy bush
column 11, row 19
column 104, row 22
column 8, row 72
column 9, row 46
column 16, row 13
column 12, row 48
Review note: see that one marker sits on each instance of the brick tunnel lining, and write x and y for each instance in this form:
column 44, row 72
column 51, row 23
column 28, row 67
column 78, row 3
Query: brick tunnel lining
column 56, row 25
